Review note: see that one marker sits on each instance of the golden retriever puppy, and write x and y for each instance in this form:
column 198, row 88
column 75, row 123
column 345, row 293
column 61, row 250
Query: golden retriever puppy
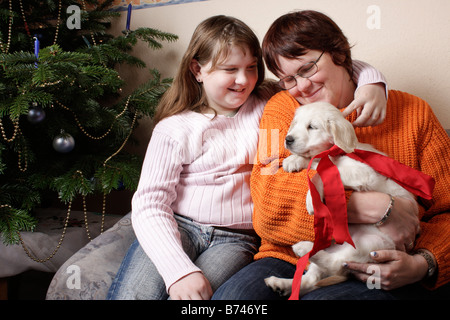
column 315, row 128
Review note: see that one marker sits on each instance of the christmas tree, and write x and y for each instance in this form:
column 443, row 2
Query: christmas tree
column 63, row 119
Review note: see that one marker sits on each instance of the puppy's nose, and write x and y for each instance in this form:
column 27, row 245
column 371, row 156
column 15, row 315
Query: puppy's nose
column 289, row 140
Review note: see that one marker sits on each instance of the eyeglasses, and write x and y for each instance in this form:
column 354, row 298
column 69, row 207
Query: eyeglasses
column 306, row 71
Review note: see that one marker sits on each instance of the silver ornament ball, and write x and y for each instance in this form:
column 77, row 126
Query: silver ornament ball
column 35, row 114
column 64, row 143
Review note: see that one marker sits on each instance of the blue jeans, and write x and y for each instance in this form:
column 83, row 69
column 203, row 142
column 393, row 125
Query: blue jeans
column 218, row 252
column 248, row 284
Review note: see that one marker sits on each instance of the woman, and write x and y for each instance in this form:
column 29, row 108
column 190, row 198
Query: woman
column 311, row 56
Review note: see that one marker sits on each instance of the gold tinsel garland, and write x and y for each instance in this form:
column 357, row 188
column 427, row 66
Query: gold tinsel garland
column 23, row 159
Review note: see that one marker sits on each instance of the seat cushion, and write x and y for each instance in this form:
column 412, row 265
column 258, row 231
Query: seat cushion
column 88, row 274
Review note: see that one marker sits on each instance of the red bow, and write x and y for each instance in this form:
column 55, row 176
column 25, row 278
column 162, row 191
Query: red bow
column 330, row 221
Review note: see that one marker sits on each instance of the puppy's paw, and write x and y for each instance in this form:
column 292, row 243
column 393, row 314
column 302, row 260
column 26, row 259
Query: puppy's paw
column 303, row 247
column 294, row 163
column 282, row 286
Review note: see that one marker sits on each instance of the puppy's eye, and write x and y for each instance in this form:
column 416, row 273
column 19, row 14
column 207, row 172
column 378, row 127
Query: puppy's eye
column 311, row 127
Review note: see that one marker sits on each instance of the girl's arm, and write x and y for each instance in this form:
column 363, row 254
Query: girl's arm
column 370, row 96
column 153, row 219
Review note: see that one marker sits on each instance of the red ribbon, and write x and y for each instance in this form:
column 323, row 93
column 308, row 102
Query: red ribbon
column 330, row 220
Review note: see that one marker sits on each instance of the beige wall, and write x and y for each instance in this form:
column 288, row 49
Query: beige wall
column 411, row 46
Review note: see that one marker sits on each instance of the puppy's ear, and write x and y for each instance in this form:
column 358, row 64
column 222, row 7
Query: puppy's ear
column 343, row 134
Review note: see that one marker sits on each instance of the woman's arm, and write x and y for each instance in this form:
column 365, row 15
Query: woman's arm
column 403, row 222
column 435, row 220
column 432, row 158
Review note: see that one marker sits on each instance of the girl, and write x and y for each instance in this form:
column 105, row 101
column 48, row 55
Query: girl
column 192, row 212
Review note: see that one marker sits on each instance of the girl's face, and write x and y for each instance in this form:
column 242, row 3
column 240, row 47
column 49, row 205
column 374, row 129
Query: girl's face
column 331, row 83
column 231, row 82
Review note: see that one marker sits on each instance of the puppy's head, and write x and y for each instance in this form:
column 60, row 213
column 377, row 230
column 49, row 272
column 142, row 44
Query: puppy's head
column 318, row 126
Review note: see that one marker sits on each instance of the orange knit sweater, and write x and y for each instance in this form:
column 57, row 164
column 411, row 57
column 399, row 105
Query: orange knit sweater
column 410, row 134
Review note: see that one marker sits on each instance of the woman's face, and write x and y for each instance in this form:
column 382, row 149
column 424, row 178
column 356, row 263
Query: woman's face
column 331, row 83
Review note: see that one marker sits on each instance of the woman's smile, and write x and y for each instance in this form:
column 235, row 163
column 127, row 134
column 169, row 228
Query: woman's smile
column 313, row 95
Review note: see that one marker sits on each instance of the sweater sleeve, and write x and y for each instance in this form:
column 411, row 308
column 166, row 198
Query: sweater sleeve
column 364, row 73
column 435, row 221
column 152, row 217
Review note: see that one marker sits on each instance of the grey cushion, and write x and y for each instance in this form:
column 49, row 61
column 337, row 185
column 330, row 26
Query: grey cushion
column 88, row 274
column 42, row 242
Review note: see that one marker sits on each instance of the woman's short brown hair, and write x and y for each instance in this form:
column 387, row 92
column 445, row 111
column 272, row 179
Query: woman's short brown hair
column 294, row 34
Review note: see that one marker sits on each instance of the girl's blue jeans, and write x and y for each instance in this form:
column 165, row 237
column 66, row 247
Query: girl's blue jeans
column 218, row 252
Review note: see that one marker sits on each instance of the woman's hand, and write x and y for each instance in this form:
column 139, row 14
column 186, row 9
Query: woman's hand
column 402, row 225
column 370, row 104
column 194, row 286
column 392, row 269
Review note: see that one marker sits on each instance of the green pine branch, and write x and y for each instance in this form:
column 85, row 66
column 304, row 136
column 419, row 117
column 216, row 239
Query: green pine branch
column 11, row 221
column 77, row 85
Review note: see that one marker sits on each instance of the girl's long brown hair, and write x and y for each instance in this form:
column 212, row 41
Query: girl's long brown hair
column 210, row 43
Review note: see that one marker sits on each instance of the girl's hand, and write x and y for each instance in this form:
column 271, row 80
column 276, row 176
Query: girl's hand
column 392, row 269
column 370, row 104
column 194, row 286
